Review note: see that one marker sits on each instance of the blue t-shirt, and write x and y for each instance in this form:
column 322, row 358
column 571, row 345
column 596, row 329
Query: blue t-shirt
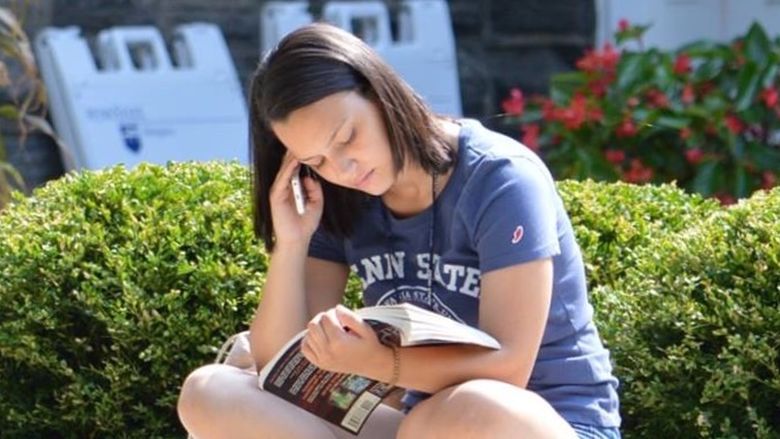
column 499, row 208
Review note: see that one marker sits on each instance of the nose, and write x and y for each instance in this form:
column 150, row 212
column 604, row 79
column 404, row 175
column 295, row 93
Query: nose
column 347, row 168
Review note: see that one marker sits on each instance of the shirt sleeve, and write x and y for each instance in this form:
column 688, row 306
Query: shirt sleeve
column 515, row 214
column 324, row 245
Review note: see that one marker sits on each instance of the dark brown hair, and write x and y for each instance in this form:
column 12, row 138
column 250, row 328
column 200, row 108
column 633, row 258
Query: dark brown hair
column 307, row 65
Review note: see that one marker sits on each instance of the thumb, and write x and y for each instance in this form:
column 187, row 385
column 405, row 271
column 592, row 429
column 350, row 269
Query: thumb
column 353, row 322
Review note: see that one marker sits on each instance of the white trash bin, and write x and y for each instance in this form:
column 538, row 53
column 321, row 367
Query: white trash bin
column 140, row 106
column 423, row 52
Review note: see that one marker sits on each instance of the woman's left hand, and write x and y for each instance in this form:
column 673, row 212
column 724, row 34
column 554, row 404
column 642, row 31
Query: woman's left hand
column 338, row 340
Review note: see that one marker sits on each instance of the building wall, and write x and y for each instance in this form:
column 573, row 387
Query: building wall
column 500, row 43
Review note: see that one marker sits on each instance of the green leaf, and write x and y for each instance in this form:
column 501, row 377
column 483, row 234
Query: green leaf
column 747, row 83
column 704, row 181
column 671, row 121
column 741, row 188
column 9, row 111
column 630, row 70
column 757, row 44
column 737, row 146
column 765, row 156
column 563, row 85
column 769, row 76
column 702, row 48
column 709, row 69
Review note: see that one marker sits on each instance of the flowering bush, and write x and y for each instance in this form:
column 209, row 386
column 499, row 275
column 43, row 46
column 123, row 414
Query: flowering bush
column 706, row 115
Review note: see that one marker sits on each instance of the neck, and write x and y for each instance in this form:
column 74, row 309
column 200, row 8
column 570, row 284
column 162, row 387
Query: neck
column 411, row 194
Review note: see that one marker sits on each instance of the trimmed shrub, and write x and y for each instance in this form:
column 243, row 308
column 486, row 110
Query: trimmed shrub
column 697, row 344
column 114, row 285
column 613, row 220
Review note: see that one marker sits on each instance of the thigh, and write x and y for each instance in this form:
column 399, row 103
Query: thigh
column 485, row 408
column 220, row 401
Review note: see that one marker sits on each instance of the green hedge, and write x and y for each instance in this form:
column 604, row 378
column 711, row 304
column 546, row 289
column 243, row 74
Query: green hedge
column 699, row 352
column 115, row 284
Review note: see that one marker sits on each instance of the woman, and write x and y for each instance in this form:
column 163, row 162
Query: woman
column 398, row 193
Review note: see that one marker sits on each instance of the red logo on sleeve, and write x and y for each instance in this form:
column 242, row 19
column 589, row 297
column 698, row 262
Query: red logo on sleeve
column 518, row 235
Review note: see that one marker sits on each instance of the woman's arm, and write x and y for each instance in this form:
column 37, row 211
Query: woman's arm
column 514, row 305
column 297, row 287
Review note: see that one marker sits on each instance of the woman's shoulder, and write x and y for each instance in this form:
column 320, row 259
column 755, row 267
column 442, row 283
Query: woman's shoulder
column 490, row 159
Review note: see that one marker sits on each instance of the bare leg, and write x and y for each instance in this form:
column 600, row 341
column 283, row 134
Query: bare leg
column 220, row 401
column 485, row 409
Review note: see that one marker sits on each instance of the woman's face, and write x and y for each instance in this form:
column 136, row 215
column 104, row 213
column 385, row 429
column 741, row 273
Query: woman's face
column 343, row 138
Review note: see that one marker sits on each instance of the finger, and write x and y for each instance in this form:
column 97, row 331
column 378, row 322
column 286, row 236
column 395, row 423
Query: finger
column 316, row 332
column 288, row 168
column 308, row 351
column 331, row 326
column 348, row 319
column 313, row 189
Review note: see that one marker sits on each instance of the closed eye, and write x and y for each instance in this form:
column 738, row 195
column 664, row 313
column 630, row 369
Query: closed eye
column 349, row 139
column 319, row 161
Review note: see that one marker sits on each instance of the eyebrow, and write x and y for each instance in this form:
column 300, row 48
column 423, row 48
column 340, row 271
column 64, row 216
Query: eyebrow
column 330, row 139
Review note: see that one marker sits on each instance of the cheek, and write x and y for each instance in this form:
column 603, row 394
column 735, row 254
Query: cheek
column 326, row 173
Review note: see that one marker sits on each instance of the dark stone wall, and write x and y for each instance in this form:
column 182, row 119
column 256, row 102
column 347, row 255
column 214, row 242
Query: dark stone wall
column 500, row 43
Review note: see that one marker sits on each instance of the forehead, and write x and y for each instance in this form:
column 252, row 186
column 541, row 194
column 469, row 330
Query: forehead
column 308, row 129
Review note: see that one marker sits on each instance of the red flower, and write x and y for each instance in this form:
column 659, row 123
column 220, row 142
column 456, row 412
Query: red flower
column 609, row 57
column 685, row 133
column 769, row 97
column 687, row 94
column 548, row 110
column 590, row 62
column 531, row 136
column 574, row 116
column 725, row 199
column 638, row 172
column 682, row 64
column 768, row 180
column 706, row 87
column 694, row 155
column 577, row 113
column 734, row 124
column 595, row 114
column 633, row 101
column 598, row 86
column 626, row 128
column 623, row 25
column 615, row 156
column 514, row 104
column 599, row 62
column 657, row 98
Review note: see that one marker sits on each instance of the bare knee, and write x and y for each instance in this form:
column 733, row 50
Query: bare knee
column 484, row 408
column 200, row 394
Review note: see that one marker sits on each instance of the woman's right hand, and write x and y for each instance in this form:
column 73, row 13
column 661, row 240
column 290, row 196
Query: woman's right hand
column 289, row 226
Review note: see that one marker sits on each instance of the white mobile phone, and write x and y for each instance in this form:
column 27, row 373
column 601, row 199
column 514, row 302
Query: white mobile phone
column 297, row 190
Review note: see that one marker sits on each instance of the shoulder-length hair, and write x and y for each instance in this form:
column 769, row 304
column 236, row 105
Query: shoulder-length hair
column 307, row 65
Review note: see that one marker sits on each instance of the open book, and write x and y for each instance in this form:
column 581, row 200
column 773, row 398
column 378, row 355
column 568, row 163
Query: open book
column 347, row 400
